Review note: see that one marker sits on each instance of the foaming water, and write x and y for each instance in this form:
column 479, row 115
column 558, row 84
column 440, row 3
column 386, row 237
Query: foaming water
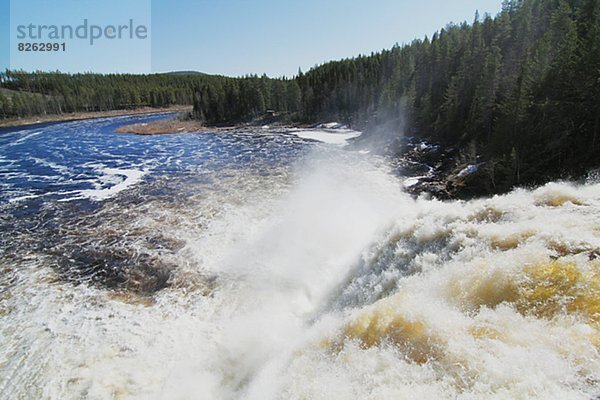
column 264, row 266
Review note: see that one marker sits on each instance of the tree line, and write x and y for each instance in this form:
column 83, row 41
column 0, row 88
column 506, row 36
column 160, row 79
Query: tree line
column 217, row 98
column 28, row 94
column 237, row 99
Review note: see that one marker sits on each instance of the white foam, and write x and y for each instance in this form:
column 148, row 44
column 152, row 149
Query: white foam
column 408, row 182
column 22, row 198
column 332, row 125
column 25, row 138
column 294, row 266
column 338, row 137
column 111, row 175
column 57, row 167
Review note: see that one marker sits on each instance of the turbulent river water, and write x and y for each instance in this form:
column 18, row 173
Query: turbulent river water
column 266, row 265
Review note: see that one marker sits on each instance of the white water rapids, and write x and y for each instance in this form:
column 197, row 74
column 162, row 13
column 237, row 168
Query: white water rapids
column 323, row 282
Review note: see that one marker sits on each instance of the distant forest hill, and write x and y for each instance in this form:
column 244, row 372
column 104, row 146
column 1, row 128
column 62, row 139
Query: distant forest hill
column 520, row 91
column 25, row 94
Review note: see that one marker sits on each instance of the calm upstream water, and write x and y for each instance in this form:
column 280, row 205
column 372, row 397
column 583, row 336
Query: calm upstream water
column 269, row 265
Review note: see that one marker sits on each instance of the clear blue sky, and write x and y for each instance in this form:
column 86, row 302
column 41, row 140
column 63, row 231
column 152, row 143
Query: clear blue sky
column 236, row 37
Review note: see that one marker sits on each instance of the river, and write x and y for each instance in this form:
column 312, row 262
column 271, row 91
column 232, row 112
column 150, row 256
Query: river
column 265, row 264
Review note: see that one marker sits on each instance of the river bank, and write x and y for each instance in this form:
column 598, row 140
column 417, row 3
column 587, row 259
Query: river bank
column 42, row 119
column 185, row 123
column 444, row 172
column 178, row 124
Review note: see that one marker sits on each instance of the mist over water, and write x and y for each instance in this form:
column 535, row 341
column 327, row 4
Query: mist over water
column 266, row 266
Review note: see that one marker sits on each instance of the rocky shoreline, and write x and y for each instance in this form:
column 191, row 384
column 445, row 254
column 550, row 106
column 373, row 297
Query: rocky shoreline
column 447, row 177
